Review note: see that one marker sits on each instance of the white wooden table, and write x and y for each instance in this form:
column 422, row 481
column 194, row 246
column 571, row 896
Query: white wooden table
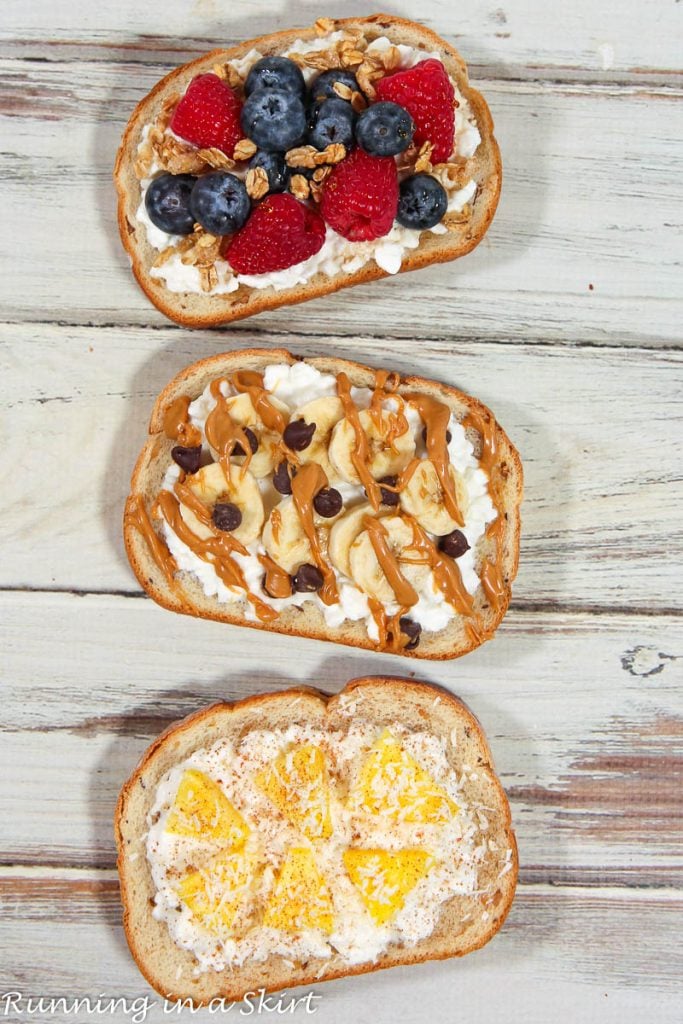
column 566, row 320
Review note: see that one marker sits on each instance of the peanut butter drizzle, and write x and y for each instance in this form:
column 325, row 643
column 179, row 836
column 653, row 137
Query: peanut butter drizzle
column 251, row 383
column 137, row 516
column 223, row 434
column 385, row 387
column 491, row 579
column 310, row 479
column 221, row 546
column 391, row 636
column 276, row 523
column 361, row 454
column 404, row 591
column 177, row 426
column 445, row 569
column 277, row 581
column 186, row 496
column 436, row 416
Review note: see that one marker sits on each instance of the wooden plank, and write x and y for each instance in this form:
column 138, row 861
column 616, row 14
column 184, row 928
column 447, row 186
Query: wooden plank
column 584, row 715
column 607, row 954
column 602, row 513
column 516, row 33
column 571, row 216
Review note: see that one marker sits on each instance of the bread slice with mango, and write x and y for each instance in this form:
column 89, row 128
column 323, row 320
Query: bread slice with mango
column 292, row 838
column 189, row 276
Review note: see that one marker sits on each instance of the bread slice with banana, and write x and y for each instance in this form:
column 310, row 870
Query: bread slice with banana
column 323, row 498
column 227, row 208
column 291, row 838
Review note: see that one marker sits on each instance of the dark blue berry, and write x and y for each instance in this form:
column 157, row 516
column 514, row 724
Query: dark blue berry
column 422, row 202
column 322, row 88
column 274, row 119
column 167, row 202
column 331, row 121
column 220, row 202
column 275, row 167
column 384, row 129
column 275, row 73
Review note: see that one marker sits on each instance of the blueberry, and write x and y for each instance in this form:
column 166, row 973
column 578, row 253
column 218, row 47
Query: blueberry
column 384, row 129
column 422, row 202
column 220, row 202
column 331, row 121
column 167, row 202
column 275, row 167
column 274, row 119
column 322, row 88
column 275, row 73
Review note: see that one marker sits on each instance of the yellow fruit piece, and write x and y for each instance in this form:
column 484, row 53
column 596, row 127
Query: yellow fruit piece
column 300, row 898
column 392, row 784
column 215, row 892
column 202, row 810
column 384, row 879
column 297, row 784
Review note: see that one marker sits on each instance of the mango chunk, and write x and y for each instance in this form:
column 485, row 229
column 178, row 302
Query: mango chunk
column 392, row 784
column 384, row 878
column 215, row 892
column 300, row 899
column 202, row 810
column 297, row 784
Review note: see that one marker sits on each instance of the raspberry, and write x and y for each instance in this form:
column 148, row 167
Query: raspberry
column 360, row 197
column 280, row 232
column 426, row 92
column 208, row 115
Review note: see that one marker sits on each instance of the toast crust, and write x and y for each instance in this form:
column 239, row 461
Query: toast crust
column 199, row 310
column 150, row 468
column 422, row 705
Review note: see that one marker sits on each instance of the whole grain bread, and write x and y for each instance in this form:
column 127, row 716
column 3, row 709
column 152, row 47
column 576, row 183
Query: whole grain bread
column 466, row 922
column 308, row 621
column 209, row 310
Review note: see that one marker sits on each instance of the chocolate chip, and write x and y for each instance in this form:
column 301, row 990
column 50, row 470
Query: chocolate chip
column 412, row 630
column 388, row 497
column 328, row 502
column 424, row 436
column 308, row 579
column 454, row 544
column 253, row 443
column 187, row 458
column 281, row 479
column 226, row 516
column 298, row 435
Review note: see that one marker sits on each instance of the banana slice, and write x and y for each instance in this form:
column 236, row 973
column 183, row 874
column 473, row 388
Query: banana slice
column 325, row 413
column 422, row 498
column 385, row 458
column 366, row 569
column 210, row 484
column 284, row 538
column 343, row 534
column 266, row 457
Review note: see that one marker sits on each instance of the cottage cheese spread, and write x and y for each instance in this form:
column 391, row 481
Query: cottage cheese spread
column 338, row 255
column 295, row 386
column 455, row 840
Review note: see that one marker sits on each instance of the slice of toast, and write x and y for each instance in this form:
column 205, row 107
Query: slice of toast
column 181, row 590
column 461, row 923
column 199, row 309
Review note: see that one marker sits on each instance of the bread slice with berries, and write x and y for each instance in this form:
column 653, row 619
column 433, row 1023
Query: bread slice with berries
column 231, row 204
column 424, row 869
column 373, row 510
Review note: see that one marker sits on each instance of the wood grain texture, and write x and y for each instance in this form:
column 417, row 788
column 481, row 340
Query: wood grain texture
column 601, row 509
column 570, row 216
column 580, row 693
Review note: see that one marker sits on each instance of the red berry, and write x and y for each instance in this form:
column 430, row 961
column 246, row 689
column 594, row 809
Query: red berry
column 280, row 232
column 208, row 115
column 360, row 196
column 426, row 92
